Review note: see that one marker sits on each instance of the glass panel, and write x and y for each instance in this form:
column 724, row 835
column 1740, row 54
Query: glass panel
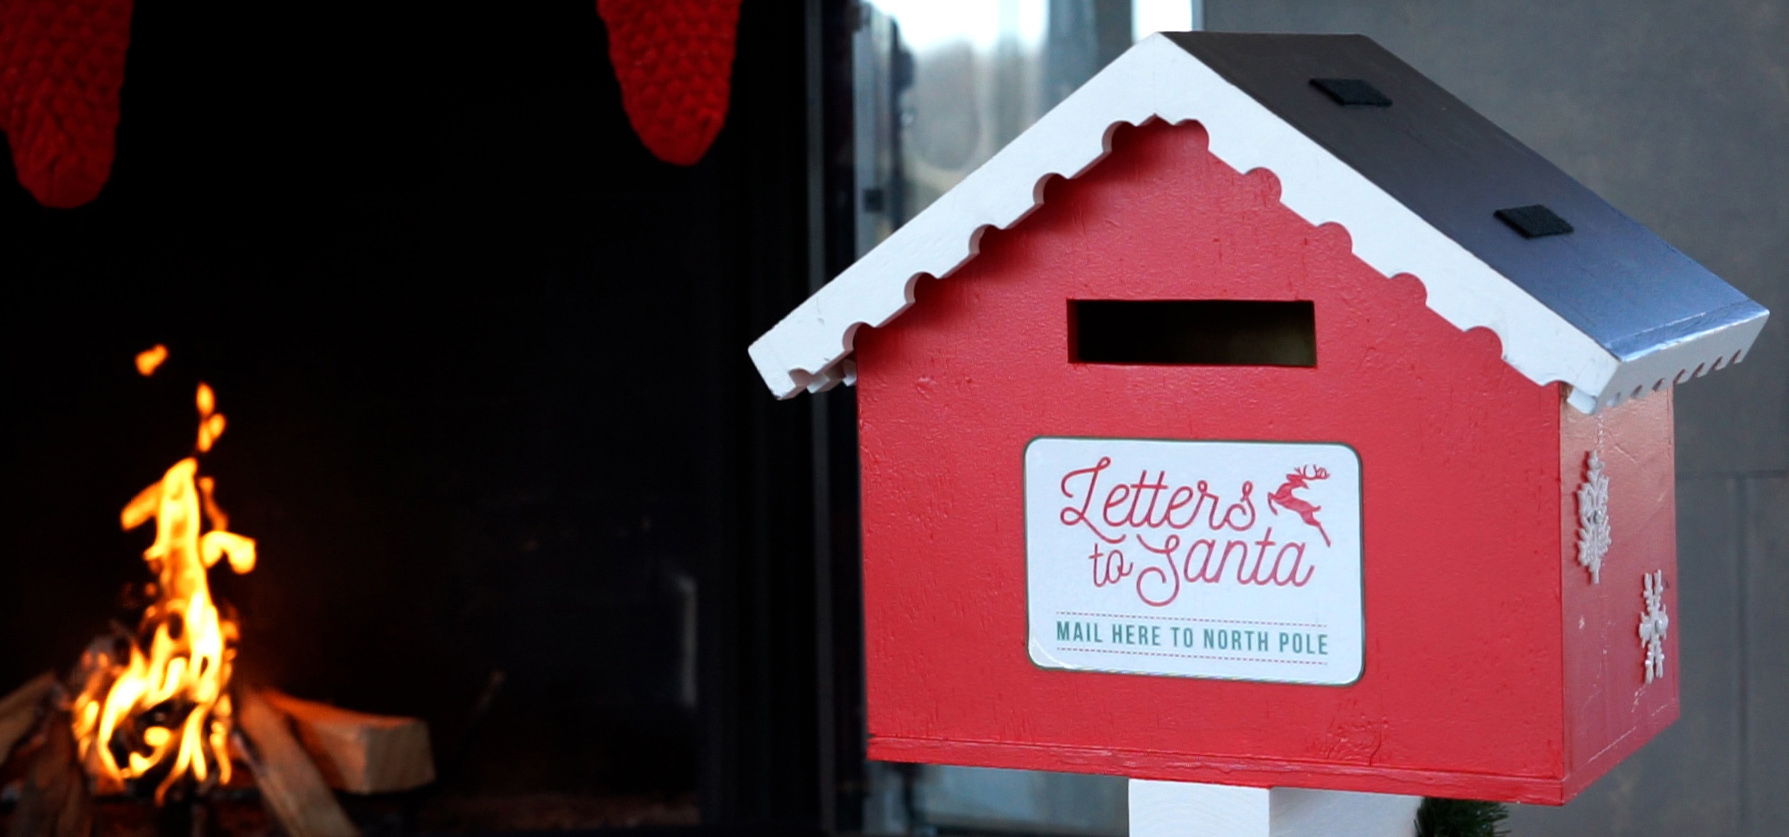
column 940, row 87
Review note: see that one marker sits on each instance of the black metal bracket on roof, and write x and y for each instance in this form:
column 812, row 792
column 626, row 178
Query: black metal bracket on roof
column 1352, row 92
column 1534, row 221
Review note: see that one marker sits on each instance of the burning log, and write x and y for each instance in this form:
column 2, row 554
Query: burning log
column 289, row 782
column 54, row 801
column 358, row 752
column 20, row 711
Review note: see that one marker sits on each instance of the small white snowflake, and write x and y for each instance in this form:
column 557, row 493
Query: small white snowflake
column 1593, row 518
column 1654, row 622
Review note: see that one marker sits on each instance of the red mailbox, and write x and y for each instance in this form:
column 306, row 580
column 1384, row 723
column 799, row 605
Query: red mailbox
column 1264, row 416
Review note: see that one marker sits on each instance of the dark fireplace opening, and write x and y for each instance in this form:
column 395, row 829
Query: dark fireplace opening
column 490, row 418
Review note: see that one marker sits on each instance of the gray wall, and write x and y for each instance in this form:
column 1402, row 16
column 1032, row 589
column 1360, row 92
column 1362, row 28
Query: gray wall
column 1678, row 113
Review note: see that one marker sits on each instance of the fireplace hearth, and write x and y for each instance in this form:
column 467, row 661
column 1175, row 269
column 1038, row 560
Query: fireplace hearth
column 491, row 427
column 150, row 733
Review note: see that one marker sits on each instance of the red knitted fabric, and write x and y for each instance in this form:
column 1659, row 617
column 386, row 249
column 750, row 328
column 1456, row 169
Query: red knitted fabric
column 61, row 64
column 674, row 59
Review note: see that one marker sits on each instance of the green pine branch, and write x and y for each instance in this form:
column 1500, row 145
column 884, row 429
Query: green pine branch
column 1460, row 818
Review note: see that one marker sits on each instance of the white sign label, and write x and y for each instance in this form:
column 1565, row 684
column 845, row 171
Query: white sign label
column 1237, row 560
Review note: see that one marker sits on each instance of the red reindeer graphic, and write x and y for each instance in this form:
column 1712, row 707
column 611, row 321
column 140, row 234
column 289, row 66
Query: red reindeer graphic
column 1296, row 480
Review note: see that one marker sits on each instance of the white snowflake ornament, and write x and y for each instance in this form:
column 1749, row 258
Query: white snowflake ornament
column 1654, row 622
column 1593, row 518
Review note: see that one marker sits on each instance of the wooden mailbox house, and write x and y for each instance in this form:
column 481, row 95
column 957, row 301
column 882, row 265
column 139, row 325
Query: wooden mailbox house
column 1264, row 416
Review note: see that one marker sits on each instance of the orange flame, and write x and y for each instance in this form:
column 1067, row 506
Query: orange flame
column 149, row 359
column 168, row 704
column 211, row 425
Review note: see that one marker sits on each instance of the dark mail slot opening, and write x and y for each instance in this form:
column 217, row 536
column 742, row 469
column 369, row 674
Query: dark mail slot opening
column 1195, row 332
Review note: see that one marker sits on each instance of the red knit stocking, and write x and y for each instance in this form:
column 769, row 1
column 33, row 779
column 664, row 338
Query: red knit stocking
column 61, row 64
column 674, row 59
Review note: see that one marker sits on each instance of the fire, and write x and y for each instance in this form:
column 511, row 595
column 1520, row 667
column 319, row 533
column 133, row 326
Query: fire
column 149, row 359
column 159, row 700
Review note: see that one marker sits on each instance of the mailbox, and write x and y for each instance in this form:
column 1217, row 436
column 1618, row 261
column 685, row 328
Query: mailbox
column 1265, row 416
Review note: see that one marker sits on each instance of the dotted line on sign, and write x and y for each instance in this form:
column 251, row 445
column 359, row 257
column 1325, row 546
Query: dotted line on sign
column 1192, row 619
column 1192, row 656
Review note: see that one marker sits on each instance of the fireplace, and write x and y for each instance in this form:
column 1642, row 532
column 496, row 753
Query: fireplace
column 490, row 424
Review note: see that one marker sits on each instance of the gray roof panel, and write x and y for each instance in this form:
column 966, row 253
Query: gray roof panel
column 1610, row 277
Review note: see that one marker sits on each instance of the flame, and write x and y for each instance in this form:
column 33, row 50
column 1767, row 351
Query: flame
column 149, row 359
column 160, row 697
column 211, row 425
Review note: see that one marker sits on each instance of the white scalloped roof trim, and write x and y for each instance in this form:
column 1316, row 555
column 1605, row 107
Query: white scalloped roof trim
column 810, row 348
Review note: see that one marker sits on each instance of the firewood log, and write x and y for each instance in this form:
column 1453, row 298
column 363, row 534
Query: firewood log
column 358, row 752
column 53, row 801
column 287, row 778
column 20, row 711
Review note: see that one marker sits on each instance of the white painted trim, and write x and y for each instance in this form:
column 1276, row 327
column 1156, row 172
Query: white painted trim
column 1672, row 364
column 1156, row 79
column 1189, row 809
column 1308, row 813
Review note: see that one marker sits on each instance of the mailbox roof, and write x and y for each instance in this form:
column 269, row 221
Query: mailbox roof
column 1608, row 308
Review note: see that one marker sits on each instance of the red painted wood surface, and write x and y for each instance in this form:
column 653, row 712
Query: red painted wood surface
column 1463, row 691
column 1610, row 708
